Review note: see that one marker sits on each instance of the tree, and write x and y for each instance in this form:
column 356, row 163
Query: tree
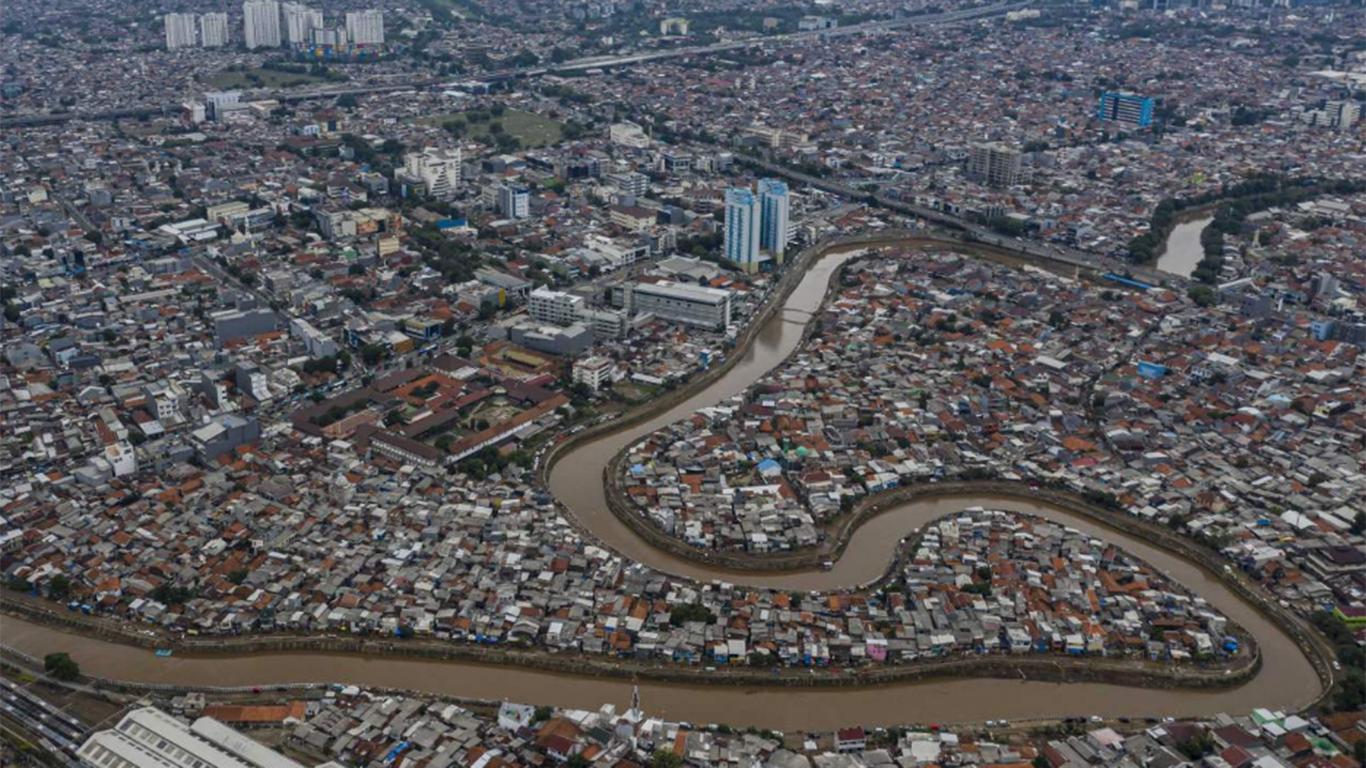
column 171, row 594
column 577, row 760
column 61, row 666
column 663, row 758
column 1359, row 522
column 59, row 587
column 691, row 612
column 1197, row 746
column 1351, row 691
column 372, row 354
column 1202, row 295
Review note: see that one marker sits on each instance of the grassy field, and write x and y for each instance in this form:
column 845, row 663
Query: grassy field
column 531, row 129
column 261, row 78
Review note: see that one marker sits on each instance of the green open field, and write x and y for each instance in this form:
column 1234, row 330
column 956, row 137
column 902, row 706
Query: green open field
column 531, row 129
column 261, row 78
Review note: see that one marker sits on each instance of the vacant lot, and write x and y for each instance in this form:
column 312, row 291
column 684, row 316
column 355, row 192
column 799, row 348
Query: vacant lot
column 531, row 129
column 261, row 78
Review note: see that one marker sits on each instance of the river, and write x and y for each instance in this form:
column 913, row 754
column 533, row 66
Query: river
column 1183, row 250
column 1286, row 680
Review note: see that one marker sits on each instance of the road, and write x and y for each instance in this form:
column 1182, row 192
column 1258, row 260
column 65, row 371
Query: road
column 211, row 268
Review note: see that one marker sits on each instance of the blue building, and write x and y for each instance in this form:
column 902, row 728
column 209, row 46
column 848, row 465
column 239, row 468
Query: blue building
column 773, row 210
column 1151, row 370
column 742, row 229
column 1128, row 108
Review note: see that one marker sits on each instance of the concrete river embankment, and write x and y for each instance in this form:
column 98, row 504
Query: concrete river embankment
column 1286, row 678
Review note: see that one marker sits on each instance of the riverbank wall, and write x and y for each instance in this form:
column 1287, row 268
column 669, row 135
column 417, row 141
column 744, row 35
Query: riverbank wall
column 1041, row 667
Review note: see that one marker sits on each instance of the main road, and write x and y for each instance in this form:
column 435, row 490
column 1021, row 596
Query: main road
column 1286, row 680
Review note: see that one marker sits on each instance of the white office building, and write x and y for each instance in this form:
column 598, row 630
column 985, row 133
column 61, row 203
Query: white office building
column 261, row 24
column 595, row 372
column 565, row 309
column 681, row 303
column 180, row 32
column 438, row 170
column 300, row 21
column 773, row 216
column 554, row 307
column 632, row 183
column 514, row 201
column 150, row 738
column 213, row 30
column 742, row 229
column 365, row 27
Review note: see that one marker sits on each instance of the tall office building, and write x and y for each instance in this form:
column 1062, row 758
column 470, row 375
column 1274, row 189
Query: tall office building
column 1129, row 108
column 994, row 164
column 773, row 219
column 365, row 27
column 742, row 229
column 1339, row 114
column 261, row 24
column 437, row 170
column 213, row 30
column 514, row 201
column 179, row 30
column 300, row 21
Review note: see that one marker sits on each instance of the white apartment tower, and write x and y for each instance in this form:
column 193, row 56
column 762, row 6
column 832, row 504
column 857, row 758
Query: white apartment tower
column 365, row 27
column 261, row 24
column 213, row 30
column 179, row 30
column 437, row 169
column 300, row 21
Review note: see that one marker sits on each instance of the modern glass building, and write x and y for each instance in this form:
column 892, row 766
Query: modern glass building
column 773, row 207
column 742, row 229
column 1127, row 108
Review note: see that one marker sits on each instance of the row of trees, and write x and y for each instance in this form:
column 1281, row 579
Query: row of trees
column 1237, row 201
column 1350, row 693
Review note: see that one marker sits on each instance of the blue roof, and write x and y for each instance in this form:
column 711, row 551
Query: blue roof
column 768, row 465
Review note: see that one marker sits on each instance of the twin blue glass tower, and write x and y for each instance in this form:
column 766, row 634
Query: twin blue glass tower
column 756, row 223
